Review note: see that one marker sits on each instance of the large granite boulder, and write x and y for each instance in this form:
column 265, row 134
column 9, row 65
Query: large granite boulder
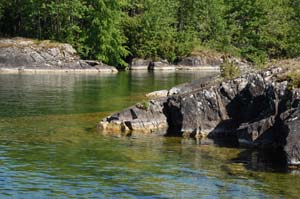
column 26, row 54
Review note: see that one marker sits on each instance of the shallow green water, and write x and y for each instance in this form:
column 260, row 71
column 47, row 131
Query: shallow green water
column 49, row 147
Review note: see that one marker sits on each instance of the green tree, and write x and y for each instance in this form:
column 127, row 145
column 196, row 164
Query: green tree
column 112, row 31
column 1, row 8
column 259, row 28
column 151, row 29
column 203, row 18
column 294, row 33
column 105, row 38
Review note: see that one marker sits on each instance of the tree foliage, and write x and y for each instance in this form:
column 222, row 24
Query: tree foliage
column 116, row 31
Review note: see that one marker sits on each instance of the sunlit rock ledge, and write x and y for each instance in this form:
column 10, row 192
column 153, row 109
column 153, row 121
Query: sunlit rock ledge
column 27, row 55
column 257, row 110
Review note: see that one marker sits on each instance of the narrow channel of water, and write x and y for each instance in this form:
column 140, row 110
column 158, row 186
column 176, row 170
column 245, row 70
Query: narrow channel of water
column 49, row 147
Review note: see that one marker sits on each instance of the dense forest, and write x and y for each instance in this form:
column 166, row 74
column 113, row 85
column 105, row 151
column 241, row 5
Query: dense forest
column 116, row 31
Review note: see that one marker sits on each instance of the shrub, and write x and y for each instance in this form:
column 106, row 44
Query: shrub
column 294, row 80
column 229, row 70
column 256, row 56
column 144, row 105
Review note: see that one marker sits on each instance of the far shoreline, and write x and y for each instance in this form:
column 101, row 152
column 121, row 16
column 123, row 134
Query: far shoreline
column 41, row 71
column 102, row 71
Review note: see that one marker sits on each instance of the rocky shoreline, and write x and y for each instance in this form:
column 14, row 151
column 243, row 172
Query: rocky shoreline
column 257, row 110
column 192, row 62
column 32, row 56
column 24, row 55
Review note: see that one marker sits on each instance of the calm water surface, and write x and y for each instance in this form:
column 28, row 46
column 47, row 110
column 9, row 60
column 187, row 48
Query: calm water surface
column 49, row 147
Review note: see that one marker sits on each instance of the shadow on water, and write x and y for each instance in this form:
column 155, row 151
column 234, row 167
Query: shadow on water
column 257, row 160
column 263, row 160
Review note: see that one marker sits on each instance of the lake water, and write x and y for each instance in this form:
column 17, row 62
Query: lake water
column 49, row 146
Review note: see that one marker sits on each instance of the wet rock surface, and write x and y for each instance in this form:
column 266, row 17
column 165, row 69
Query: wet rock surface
column 255, row 110
column 22, row 54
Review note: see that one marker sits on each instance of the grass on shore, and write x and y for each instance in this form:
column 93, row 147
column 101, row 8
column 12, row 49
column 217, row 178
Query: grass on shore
column 290, row 73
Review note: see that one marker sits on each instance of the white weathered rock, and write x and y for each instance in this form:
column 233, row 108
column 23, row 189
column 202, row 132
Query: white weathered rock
column 156, row 94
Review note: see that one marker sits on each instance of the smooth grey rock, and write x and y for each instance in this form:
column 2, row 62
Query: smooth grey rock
column 161, row 65
column 105, row 68
column 139, row 64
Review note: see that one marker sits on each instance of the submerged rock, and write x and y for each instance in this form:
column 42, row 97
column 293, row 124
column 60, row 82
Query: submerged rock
column 255, row 109
column 22, row 54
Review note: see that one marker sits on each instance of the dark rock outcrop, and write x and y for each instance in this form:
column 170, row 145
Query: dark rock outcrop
column 291, row 135
column 26, row 54
column 255, row 109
